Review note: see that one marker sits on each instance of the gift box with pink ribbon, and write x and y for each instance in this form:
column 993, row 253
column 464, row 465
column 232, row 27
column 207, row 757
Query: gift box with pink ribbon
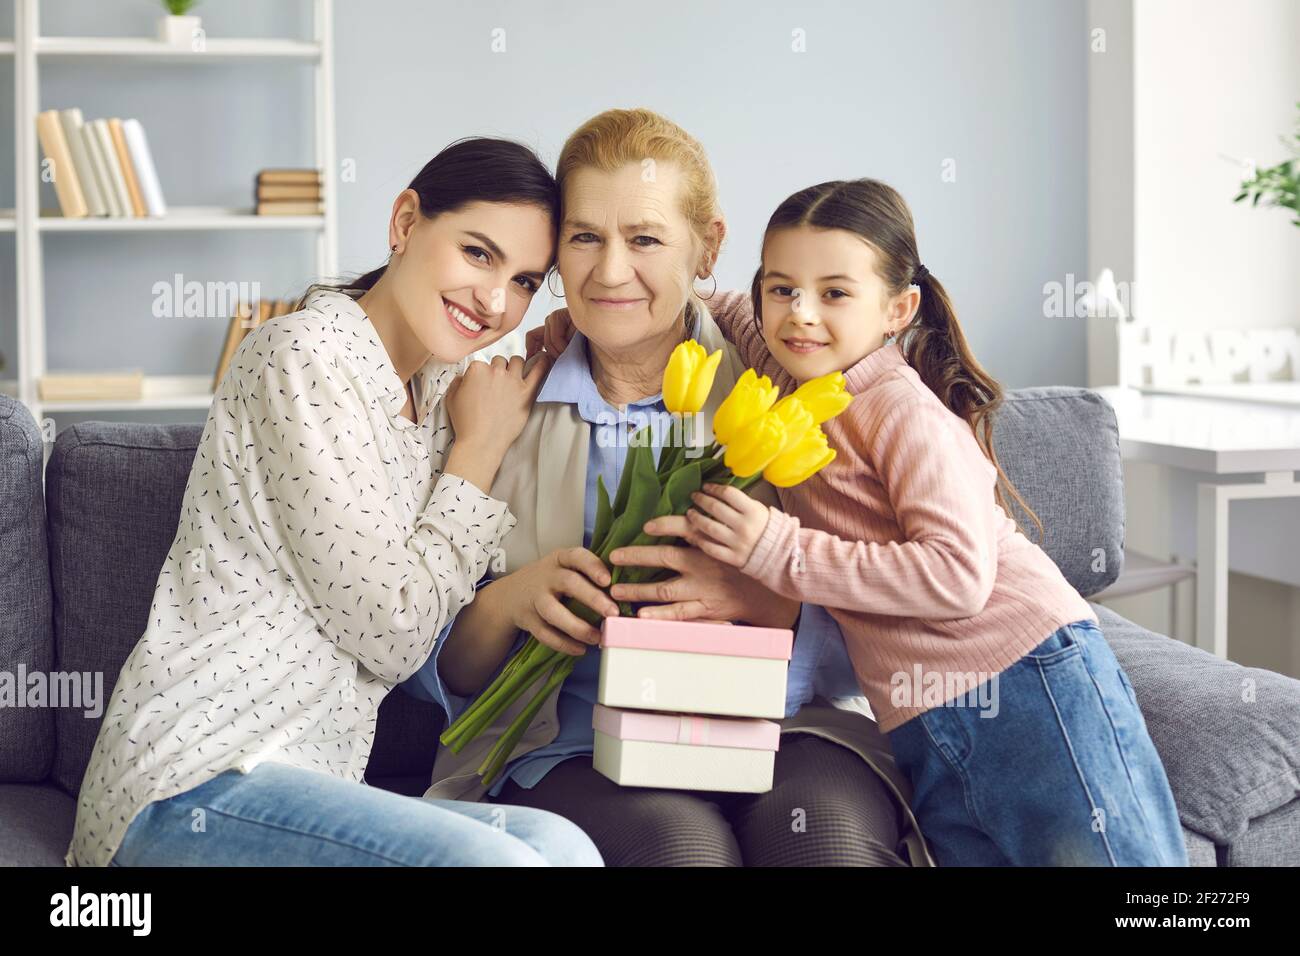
column 681, row 704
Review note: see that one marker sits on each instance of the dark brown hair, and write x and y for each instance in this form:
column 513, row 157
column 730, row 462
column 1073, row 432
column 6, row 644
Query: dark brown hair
column 933, row 343
column 475, row 169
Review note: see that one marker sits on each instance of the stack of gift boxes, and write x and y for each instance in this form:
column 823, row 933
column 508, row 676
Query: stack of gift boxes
column 690, row 705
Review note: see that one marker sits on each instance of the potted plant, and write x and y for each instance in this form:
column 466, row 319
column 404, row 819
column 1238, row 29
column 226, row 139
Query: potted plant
column 1278, row 185
column 177, row 28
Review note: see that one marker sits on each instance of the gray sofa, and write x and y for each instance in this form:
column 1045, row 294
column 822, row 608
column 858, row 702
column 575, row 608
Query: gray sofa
column 81, row 547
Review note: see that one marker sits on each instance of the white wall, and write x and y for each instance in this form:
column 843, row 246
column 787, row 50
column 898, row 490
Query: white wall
column 896, row 91
column 1213, row 79
column 1183, row 84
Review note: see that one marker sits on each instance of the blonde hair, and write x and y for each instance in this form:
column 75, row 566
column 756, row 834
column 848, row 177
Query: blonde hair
column 614, row 138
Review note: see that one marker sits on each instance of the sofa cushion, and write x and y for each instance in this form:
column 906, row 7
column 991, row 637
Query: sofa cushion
column 1200, row 850
column 1059, row 445
column 1272, row 840
column 1226, row 734
column 26, row 631
column 35, row 824
column 115, row 492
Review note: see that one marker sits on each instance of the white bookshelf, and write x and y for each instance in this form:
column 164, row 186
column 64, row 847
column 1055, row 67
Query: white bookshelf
column 31, row 52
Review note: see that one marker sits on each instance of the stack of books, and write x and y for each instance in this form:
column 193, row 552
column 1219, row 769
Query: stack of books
column 246, row 318
column 289, row 192
column 99, row 167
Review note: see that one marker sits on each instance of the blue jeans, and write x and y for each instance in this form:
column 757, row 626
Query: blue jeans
column 1062, row 772
column 279, row 815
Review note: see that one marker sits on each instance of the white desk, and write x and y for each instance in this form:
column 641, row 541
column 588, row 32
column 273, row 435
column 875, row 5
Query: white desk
column 1233, row 437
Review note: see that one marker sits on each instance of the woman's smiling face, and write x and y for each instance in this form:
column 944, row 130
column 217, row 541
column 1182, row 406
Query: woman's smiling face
column 466, row 277
column 627, row 254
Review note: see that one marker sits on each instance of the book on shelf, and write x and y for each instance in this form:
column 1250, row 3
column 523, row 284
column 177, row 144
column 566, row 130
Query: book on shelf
column 61, row 170
column 128, row 168
column 246, row 318
column 142, row 160
column 101, row 167
column 90, row 386
column 285, row 207
column 275, row 191
column 73, row 132
column 289, row 192
column 289, row 177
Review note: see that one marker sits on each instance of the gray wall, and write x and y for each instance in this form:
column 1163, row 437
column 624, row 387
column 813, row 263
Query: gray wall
column 884, row 89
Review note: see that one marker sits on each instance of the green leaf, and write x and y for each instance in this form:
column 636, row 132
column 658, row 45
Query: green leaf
column 636, row 450
column 682, row 483
column 642, row 487
column 604, row 515
column 675, row 499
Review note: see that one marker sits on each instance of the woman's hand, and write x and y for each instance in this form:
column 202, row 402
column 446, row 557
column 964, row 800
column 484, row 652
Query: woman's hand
column 489, row 404
column 705, row 589
column 533, row 598
column 726, row 523
column 553, row 336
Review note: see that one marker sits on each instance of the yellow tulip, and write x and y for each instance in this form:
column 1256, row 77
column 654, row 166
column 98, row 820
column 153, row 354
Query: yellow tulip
column 688, row 379
column 796, row 417
column 750, row 399
column 825, row 397
column 754, row 446
column 808, row 456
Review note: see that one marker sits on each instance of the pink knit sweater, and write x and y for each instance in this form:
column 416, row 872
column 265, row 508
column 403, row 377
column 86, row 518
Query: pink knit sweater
column 901, row 539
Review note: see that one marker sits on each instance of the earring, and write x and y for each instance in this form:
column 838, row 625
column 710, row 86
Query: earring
column 550, row 289
column 393, row 247
column 706, row 298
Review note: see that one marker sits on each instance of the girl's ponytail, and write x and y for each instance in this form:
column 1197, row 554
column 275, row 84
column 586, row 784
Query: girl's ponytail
column 935, row 346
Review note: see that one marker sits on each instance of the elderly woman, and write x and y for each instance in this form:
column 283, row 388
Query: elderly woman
column 640, row 223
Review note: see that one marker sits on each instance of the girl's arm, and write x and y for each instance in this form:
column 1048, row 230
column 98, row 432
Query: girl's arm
column 734, row 314
column 940, row 486
column 315, row 478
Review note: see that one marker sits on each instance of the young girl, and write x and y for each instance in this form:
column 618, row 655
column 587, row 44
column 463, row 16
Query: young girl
column 329, row 529
column 1001, row 699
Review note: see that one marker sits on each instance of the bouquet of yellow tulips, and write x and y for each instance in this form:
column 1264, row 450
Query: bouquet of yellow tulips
column 755, row 437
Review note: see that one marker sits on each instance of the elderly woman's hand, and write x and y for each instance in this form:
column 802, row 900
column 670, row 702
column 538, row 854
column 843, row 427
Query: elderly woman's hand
column 705, row 589
column 553, row 336
column 533, row 598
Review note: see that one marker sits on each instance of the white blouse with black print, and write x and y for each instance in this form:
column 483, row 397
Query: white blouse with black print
column 319, row 552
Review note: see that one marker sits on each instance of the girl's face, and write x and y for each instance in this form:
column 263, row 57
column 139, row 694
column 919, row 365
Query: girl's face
column 825, row 307
column 627, row 254
column 465, row 278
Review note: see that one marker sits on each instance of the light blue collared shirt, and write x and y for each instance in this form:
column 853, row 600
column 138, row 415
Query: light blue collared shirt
column 819, row 666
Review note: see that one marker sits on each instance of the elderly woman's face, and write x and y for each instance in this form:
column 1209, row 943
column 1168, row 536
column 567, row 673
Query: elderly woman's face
column 627, row 254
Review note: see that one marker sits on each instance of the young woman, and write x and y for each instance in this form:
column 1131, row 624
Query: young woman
column 328, row 531
column 1034, row 752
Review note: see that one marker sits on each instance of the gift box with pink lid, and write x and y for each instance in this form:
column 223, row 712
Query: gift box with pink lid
column 681, row 704
column 645, row 748
column 694, row 667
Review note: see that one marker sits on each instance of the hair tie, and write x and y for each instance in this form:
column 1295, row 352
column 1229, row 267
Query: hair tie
column 920, row 272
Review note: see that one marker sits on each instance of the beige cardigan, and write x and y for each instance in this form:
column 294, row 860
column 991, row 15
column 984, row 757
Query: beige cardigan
column 542, row 479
